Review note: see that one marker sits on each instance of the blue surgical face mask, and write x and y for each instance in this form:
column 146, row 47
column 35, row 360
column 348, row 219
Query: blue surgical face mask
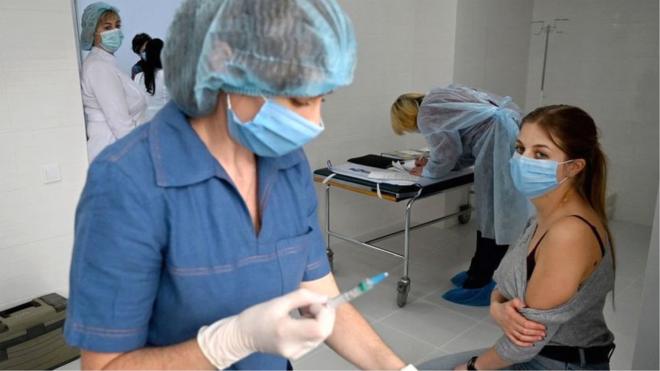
column 274, row 131
column 111, row 40
column 534, row 178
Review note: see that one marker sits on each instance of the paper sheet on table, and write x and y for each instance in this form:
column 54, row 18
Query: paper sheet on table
column 362, row 172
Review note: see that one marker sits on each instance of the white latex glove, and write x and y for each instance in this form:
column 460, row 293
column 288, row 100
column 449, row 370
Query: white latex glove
column 268, row 328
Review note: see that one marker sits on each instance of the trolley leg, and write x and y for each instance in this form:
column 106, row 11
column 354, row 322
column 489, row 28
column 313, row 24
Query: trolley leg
column 403, row 286
column 328, row 250
column 406, row 238
column 466, row 210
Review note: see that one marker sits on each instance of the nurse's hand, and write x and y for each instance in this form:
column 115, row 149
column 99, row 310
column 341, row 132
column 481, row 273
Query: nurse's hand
column 515, row 326
column 273, row 330
column 269, row 328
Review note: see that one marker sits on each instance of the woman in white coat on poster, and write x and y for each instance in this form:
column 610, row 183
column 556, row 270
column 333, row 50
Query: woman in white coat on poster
column 152, row 79
column 113, row 103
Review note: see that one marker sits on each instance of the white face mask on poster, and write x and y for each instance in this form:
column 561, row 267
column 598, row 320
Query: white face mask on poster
column 111, row 40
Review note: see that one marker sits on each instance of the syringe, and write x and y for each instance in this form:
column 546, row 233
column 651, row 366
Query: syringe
column 361, row 288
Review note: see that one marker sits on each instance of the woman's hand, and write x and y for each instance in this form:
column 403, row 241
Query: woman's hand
column 516, row 327
column 417, row 170
column 421, row 161
column 461, row 367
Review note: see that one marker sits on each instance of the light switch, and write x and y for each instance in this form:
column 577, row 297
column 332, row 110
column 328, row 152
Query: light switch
column 51, row 173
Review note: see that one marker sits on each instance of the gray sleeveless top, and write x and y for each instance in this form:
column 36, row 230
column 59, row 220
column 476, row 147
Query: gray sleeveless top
column 577, row 323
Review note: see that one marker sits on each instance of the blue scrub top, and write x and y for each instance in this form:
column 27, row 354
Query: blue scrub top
column 164, row 243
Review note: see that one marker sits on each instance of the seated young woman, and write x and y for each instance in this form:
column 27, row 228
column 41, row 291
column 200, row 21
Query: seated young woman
column 552, row 285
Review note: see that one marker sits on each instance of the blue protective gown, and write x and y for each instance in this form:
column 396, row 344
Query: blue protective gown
column 465, row 127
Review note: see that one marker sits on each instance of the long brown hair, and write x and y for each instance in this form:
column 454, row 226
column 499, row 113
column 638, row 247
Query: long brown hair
column 152, row 64
column 575, row 133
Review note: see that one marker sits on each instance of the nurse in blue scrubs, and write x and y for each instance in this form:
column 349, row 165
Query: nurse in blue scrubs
column 193, row 220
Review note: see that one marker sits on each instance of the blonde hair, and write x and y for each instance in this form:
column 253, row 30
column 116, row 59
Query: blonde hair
column 108, row 15
column 403, row 113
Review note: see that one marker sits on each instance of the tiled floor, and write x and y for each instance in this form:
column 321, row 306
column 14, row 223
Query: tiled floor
column 429, row 327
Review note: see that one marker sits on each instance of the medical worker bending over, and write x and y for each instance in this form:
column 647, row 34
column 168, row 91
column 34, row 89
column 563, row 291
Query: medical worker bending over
column 191, row 221
column 552, row 285
column 465, row 127
column 113, row 103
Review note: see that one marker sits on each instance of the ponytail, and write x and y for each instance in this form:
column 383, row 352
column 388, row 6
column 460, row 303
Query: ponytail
column 152, row 64
column 594, row 189
column 594, row 184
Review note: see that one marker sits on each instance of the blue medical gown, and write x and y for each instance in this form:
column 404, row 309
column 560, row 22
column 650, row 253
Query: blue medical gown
column 164, row 243
column 465, row 127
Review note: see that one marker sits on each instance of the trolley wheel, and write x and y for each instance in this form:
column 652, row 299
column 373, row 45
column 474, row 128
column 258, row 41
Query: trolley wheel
column 402, row 288
column 466, row 214
column 331, row 258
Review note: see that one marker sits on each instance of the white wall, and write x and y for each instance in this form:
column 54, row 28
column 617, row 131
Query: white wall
column 646, row 345
column 152, row 17
column 606, row 62
column 402, row 46
column 492, row 46
column 41, row 122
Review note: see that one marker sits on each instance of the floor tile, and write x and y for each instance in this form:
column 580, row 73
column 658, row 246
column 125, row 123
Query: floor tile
column 357, row 259
column 478, row 313
column 322, row 358
column 381, row 301
column 483, row 335
column 437, row 352
column 408, row 348
column 429, row 323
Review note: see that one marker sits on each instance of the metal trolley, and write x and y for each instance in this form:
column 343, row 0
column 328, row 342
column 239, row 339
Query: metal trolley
column 391, row 193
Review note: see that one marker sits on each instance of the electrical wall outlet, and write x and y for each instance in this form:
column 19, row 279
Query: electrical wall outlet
column 51, row 173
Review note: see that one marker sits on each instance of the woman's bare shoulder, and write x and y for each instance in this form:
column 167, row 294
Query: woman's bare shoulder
column 566, row 256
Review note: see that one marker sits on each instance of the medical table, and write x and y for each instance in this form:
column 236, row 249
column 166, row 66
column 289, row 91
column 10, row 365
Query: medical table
column 394, row 193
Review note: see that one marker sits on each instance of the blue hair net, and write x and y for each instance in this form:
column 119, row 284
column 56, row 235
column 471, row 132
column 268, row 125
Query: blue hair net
column 465, row 126
column 301, row 48
column 90, row 19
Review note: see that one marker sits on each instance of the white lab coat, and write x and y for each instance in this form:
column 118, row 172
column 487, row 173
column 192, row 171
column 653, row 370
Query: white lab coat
column 114, row 105
column 161, row 95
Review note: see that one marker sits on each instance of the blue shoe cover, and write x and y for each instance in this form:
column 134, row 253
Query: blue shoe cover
column 459, row 279
column 473, row 297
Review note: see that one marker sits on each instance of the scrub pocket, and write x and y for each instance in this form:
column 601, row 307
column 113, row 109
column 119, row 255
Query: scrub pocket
column 292, row 254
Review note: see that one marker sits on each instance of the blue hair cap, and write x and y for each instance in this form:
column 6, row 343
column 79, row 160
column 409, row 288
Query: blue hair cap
column 296, row 48
column 89, row 20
